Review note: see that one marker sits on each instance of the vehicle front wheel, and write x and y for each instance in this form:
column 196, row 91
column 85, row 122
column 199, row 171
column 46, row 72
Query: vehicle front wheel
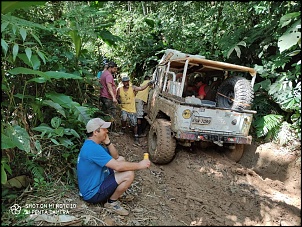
column 161, row 144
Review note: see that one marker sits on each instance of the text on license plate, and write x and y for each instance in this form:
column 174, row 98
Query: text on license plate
column 201, row 120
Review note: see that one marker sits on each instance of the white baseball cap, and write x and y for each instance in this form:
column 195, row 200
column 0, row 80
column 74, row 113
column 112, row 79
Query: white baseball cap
column 96, row 123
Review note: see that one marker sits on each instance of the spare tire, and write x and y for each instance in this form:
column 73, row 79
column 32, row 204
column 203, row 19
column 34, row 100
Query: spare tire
column 236, row 93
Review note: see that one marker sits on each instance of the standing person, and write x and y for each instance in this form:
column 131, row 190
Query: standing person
column 108, row 90
column 126, row 95
column 104, row 175
column 101, row 72
column 141, row 100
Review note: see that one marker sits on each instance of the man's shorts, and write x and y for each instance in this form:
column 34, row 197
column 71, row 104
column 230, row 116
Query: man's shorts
column 139, row 108
column 106, row 189
column 131, row 116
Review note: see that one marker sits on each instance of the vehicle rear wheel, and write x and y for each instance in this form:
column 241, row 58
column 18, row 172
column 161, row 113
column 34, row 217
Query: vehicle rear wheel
column 235, row 92
column 161, row 144
column 235, row 154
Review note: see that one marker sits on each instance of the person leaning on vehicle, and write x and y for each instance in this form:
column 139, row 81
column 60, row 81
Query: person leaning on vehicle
column 108, row 90
column 141, row 99
column 103, row 175
column 126, row 95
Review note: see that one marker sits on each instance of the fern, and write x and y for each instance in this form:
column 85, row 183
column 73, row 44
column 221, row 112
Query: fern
column 36, row 170
column 268, row 125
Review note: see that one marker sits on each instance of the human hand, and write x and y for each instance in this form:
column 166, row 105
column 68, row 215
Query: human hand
column 107, row 139
column 114, row 100
column 151, row 82
column 145, row 163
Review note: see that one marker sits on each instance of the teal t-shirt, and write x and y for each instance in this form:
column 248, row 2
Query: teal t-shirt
column 91, row 169
column 99, row 74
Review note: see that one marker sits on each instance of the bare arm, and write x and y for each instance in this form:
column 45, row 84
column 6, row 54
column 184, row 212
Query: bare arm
column 110, row 90
column 135, row 88
column 111, row 148
column 121, row 166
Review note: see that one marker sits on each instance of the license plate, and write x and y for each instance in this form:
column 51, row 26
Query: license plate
column 201, row 120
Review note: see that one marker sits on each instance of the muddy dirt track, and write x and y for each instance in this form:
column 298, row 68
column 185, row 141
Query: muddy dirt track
column 201, row 188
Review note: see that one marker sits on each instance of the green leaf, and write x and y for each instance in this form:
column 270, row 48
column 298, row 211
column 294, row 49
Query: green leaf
column 108, row 37
column 7, row 142
column 22, row 70
column 63, row 100
column 65, row 142
column 238, row 51
column 70, row 131
column 266, row 84
column 55, row 122
column 4, row 25
column 3, row 175
column 35, row 62
column 15, row 51
column 59, row 131
column 55, row 105
column 43, row 128
column 23, row 33
column 62, row 75
column 76, row 40
column 42, row 56
column 149, row 22
column 39, row 80
column 36, row 38
column 28, row 53
column 55, row 141
column 21, row 96
column 242, row 43
column 4, row 46
column 24, row 58
column 286, row 19
column 290, row 37
column 81, row 112
column 17, row 137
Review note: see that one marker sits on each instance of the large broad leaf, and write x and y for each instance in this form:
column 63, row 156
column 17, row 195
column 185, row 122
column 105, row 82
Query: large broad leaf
column 10, row 6
column 286, row 19
column 22, row 70
column 15, row 136
column 62, row 75
column 81, row 112
column 77, row 41
column 44, row 128
column 7, row 142
column 45, row 76
column 290, row 37
column 63, row 100
column 56, row 106
column 65, row 142
column 108, row 37
column 70, row 131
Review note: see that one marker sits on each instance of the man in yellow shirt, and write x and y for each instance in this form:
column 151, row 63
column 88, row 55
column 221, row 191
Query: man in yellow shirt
column 126, row 97
column 141, row 100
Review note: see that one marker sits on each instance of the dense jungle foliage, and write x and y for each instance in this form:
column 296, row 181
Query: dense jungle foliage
column 52, row 51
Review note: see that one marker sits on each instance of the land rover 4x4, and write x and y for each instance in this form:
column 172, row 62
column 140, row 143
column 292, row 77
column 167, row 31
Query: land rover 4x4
column 176, row 116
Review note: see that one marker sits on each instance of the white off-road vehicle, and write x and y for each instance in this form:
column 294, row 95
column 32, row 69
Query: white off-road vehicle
column 176, row 116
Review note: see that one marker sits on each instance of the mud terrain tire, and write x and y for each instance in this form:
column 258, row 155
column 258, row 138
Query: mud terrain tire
column 161, row 144
column 238, row 89
column 235, row 154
